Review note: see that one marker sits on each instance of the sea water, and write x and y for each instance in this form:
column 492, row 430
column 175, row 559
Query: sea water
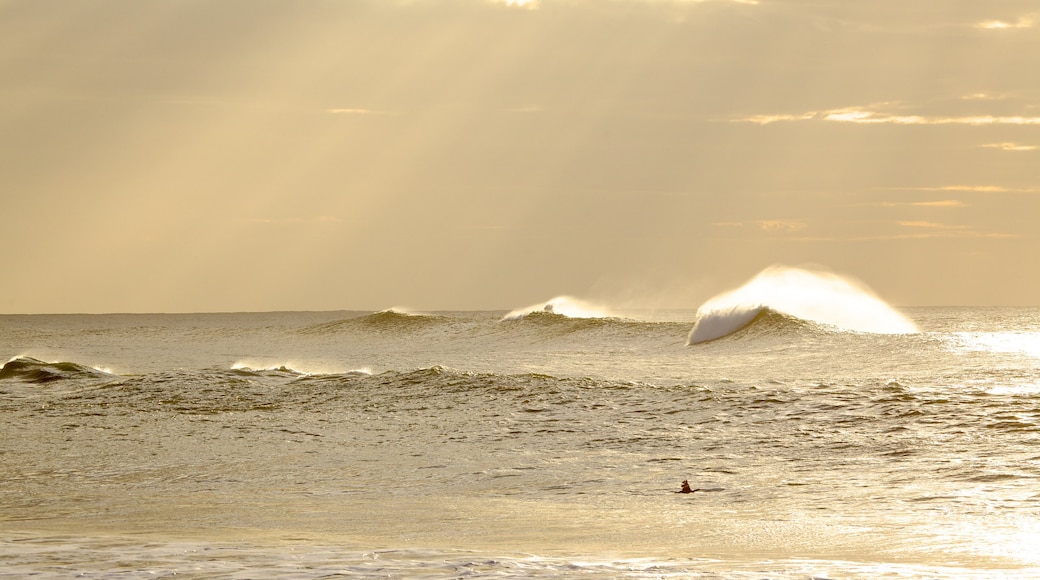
column 532, row 443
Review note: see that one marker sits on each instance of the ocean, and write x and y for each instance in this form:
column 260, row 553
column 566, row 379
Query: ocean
column 546, row 442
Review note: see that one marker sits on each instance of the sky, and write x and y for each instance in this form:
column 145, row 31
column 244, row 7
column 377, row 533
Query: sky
column 256, row 155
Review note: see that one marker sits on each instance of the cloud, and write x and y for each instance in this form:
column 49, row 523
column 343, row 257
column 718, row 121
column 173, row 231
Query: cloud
column 979, row 189
column 929, row 225
column 939, row 230
column 535, row 4
column 530, row 109
column 983, row 97
column 939, row 203
column 768, row 226
column 528, row 4
column 1010, row 146
column 870, row 116
column 781, row 226
column 321, row 219
column 767, row 119
column 910, row 229
column 946, row 234
column 1023, row 22
column 359, row 112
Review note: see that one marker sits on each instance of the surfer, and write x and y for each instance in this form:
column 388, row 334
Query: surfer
column 686, row 488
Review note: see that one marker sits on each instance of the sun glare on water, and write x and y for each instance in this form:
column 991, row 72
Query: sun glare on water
column 1027, row 343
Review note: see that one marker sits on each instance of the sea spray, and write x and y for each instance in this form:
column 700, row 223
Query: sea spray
column 564, row 306
column 814, row 295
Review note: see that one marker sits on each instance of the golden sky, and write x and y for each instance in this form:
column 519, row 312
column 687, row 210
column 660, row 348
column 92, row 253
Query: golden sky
column 239, row 155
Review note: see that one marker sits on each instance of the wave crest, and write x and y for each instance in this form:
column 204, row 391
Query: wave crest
column 814, row 296
column 722, row 322
column 765, row 322
column 399, row 318
column 389, row 320
column 32, row 370
column 563, row 306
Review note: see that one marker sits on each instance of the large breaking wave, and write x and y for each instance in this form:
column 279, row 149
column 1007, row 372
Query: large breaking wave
column 812, row 295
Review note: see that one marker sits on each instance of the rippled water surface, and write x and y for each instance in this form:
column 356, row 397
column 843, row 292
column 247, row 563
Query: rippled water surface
column 460, row 444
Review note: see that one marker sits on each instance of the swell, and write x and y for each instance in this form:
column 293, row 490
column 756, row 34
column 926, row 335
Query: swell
column 553, row 323
column 31, row 370
column 381, row 322
column 237, row 390
column 475, row 331
column 884, row 418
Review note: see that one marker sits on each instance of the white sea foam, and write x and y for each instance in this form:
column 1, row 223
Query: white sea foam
column 814, row 295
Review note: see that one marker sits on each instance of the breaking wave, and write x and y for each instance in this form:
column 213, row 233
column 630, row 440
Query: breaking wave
column 814, row 296
column 759, row 321
column 564, row 306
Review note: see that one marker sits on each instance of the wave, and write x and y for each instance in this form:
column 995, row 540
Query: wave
column 391, row 319
column 32, row 370
column 395, row 318
column 808, row 295
column 544, row 328
column 561, row 306
column 469, row 331
column 290, row 368
column 444, row 379
column 553, row 319
column 723, row 323
column 214, row 391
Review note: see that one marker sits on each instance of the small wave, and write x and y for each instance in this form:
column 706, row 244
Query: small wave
column 397, row 311
column 32, row 370
column 392, row 319
column 252, row 368
column 399, row 316
column 292, row 368
column 541, row 326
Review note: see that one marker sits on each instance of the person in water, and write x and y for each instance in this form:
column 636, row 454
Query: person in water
column 686, row 488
